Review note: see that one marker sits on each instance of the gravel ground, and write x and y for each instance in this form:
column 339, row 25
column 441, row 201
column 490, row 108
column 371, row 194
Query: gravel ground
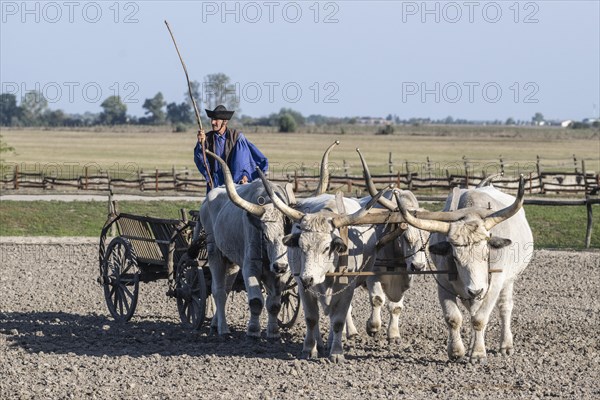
column 57, row 341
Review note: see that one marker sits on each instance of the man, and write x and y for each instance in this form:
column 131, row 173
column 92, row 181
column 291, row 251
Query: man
column 241, row 156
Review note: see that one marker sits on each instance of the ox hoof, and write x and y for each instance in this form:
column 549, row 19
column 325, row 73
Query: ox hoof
column 337, row 358
column 456, row 356
column 373, row 330
column 393, row 340
column 507, row 351
column 309, row 355
column 253, row 331
column 478, row 359
column 273, row 336
column 352, row 336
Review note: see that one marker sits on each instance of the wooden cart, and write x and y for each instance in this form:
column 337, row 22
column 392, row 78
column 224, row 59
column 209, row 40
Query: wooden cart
column 146, row 249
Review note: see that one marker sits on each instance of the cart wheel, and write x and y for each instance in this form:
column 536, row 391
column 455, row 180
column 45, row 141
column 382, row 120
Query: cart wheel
column 121, row 279
column 191, row 293
column 290, row 304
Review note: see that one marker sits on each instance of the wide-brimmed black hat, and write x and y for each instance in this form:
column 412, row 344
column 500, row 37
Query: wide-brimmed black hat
column 220, row 112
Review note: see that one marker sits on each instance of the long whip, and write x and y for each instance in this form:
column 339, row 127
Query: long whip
column 198, row 119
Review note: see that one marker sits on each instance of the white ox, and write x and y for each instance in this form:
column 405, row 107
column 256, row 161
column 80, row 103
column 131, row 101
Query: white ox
column 242, row 232
column 403, row 245
column 314, row 247
column 481, row 229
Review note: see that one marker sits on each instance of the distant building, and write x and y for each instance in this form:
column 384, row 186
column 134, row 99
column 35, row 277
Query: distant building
column 566, row 123
column 371, row 121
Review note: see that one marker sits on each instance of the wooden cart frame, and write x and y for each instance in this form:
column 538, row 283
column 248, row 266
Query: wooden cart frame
column 147, row 249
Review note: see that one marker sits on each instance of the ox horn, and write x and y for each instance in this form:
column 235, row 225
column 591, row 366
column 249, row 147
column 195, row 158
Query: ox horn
column 489, row 179
column 424, row 224
column 324, row 176
column 280, row 205
column 235, row 198
column 345, row 220
column 371, row 186
column 507, row 212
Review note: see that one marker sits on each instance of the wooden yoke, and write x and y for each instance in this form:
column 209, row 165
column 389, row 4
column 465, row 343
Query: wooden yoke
column 342, row 266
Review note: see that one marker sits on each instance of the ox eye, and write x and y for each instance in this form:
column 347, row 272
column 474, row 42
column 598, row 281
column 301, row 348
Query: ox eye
column 326, row 250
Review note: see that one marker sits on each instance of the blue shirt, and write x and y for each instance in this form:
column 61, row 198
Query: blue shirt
column 243, row 160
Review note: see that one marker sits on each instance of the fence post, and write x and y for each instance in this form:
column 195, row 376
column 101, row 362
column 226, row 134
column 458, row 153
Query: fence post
column 530, row 182
column 575, row 163
column 585, row 182
column 538, row 168
column 345, row 167
column 156, row 180
column 295, row 181
column 86, row 178
column 140, row 179
column 16, row 179
column 590, row 222
column 174, row 179
column 501, row 164
column 390, row 164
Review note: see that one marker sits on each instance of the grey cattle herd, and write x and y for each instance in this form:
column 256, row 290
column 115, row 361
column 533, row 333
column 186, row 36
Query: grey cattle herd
column 332, row 244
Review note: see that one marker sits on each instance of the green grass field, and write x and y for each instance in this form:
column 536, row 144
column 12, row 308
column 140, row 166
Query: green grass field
column 69, row 151
column 553, row 227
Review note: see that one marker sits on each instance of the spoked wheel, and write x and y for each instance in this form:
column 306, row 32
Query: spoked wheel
column 121, row 279
column 190, row 293
column 290, row 304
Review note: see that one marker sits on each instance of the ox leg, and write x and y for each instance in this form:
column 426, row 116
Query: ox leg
column 274, row 287
column 312, row 339
column 453, row 317
column 219, row 292
column 505, row 307
column 377, row 300
column 255, row 299
column 337, row 317
column 479, row 321
column 395, row 308
column 351, row 331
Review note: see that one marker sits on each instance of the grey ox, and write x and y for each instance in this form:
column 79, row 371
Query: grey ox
column 315, row 245
column 480, row 230
column 402, row 245
column 242, row 232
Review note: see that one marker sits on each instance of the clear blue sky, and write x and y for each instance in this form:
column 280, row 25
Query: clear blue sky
column 467, row 59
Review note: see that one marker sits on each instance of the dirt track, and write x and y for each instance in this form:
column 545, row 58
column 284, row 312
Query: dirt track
column 56, row 341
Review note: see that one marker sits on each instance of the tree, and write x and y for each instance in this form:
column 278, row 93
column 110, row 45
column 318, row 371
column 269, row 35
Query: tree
column 9, row 111
column 196, row 92
column 538, row 118
column 179, row 113
column 218, row 89
column 55, row 118
column 33, row 107
column 510, row 121
column 154, row 107
column 115, row 111
column 287, row 123
column 298, row 117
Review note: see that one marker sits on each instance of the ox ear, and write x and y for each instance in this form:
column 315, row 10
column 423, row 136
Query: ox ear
column 291, row 240
column 441, row 248
column 498, row 242
column 338, row 245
